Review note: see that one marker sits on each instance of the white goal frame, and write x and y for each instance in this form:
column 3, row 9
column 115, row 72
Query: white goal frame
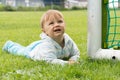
column 94, row 44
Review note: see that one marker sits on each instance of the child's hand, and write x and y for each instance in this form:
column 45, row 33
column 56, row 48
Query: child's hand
column 71, row 61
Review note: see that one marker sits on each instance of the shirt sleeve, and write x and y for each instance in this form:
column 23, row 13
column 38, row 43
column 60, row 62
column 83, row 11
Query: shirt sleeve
column 75, row 52
column 55, row 60
column 47, row 53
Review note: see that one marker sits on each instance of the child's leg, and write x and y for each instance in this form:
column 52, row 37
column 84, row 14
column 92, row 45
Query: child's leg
column 33, row 45
column 15, row 48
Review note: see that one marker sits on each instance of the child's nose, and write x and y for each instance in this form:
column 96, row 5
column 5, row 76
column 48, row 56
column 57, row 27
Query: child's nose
column 56, row 24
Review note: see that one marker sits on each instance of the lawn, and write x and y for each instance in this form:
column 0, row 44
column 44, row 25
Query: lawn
column 24, row 28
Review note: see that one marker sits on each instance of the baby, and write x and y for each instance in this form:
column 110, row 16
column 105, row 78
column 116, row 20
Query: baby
column 55, row 45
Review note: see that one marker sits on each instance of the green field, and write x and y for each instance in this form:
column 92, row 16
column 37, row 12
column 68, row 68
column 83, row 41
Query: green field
column 24, row 28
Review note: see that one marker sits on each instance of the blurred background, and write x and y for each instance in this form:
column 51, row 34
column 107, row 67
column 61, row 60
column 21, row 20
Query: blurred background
column 37, row 5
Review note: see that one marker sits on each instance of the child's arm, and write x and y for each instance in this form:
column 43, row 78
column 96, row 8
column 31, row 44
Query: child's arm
column 74, row 51
column 47, row 54
column 75, row 56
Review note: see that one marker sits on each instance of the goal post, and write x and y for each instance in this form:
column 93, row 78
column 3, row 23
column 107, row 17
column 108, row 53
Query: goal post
column 94, row 26
column 103, row 29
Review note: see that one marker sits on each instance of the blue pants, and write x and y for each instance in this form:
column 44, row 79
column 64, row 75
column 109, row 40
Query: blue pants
column 17, row 49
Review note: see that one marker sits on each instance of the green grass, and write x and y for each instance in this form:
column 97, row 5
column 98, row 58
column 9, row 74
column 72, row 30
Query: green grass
column 23, row 27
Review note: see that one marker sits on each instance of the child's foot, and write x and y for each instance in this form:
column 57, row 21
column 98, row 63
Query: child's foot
column 7, row 45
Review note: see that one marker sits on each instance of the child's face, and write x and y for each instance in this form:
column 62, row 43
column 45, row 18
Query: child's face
column 54, row 27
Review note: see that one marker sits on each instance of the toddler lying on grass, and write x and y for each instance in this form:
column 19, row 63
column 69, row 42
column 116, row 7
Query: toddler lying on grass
column 55, row 45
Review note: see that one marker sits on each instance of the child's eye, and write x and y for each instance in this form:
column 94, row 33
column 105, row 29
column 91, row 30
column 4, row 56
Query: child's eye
column 60, row 21
column 51, row 23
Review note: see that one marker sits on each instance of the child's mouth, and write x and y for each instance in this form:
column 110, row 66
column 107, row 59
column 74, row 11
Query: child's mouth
column 57, row 30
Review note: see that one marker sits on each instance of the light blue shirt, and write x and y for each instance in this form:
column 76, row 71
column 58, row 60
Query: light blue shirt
column 49, row 50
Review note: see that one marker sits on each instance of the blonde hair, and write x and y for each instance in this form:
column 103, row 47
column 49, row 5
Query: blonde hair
column 50, row 15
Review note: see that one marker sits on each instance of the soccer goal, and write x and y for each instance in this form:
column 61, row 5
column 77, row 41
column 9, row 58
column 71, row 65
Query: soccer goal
column 104, row 29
